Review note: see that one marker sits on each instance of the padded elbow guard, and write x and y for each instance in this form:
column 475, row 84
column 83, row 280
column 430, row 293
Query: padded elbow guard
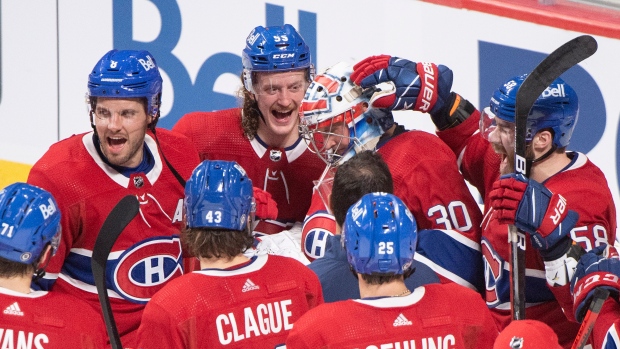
column 456, row 110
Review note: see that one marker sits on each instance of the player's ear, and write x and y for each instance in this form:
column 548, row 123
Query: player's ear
column 543, row 140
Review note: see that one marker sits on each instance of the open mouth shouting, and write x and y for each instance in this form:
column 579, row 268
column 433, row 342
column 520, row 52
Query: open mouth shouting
column 282, row 116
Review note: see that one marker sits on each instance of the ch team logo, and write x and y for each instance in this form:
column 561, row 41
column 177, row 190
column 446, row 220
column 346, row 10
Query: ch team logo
column 315, row 242
column 493, row 272
column 144, row 268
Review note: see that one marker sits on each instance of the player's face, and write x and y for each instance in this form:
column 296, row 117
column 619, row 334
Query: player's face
column 121, row 125
column 335, row 137
column 503, row 140
column 278, row 96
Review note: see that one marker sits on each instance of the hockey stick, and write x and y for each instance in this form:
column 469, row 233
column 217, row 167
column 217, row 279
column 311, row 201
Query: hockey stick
column 559, row 61
column 599, row 297
column 120, row 216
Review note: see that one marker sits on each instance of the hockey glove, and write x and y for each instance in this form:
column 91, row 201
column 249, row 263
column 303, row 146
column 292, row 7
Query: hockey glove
column 423, row 87
column 266, row 207
column 536, row 210
column 598, row 268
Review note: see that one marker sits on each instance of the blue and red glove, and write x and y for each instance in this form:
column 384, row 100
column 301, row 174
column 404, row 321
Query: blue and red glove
column 598, row 268
column 266, row 207
column 534, row 209
column 418, row 86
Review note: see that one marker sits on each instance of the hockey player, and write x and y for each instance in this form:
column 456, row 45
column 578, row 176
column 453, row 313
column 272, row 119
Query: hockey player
column 380, row 235
column 482, row 159
column 29, row 235
column 338, row 122
column 234, row 301
column 89, row 173
column 262, row 135
column 364, row 173
column 439, row 252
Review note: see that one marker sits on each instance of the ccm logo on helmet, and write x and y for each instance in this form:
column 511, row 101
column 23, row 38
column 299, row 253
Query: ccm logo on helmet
column 284, row 55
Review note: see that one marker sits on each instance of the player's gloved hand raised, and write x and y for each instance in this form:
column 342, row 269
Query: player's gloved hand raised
column 534, row 209
column 598, row 268
column 417, row 86
column 266, row 207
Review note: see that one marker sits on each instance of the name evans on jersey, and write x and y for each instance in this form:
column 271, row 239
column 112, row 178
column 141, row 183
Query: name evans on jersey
column 23, row 340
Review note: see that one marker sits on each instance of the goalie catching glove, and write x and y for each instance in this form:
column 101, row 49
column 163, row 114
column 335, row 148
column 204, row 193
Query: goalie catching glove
column 536, row 210
column 598, row 268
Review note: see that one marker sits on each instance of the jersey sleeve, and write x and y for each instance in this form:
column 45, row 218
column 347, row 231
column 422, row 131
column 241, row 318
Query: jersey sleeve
column 452, row 256
column 606, row 331
column 477, row 161
column 318, row 225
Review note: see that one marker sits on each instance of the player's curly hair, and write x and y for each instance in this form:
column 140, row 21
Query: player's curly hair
column 250, row 112
column 216, row 243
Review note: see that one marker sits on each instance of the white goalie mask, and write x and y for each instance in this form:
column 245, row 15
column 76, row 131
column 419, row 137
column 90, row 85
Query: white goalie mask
column 336, row 120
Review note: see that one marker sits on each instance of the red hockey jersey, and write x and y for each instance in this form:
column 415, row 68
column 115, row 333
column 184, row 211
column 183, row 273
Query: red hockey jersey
column 249, row 306
column 148, row 252
column 287, row 174
column 49, row 320
column 433, row 316
column 428, row 181
column 585, row 188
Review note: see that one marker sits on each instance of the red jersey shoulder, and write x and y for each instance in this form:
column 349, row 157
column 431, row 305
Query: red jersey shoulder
column 179, row 151
column 67, row 150
column 54, row 318
column 424, row 145
column 212, row 131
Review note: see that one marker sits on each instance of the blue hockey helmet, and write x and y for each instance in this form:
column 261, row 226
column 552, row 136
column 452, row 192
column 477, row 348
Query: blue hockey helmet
column 557, row 108
column 333, row 99
column 274, row 49
column 380, row 235
column 29, row 220
column 219, row 194
column 127, row 74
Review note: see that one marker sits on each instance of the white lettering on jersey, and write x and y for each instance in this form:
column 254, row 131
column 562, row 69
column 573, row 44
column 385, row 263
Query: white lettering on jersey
column 446, row 342
column 23, row 341
column 178, row 212
column 264, row 319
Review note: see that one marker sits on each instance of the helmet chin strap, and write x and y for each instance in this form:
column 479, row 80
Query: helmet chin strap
column 546, row 155
column 260, row 113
